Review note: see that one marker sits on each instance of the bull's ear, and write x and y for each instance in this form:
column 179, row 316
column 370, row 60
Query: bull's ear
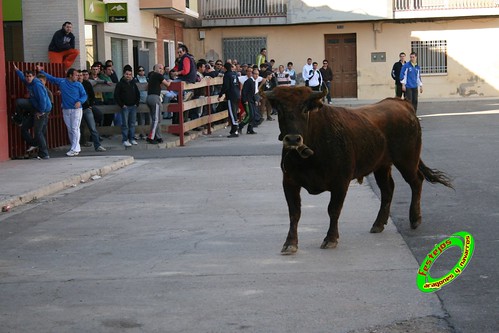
column 281, row 137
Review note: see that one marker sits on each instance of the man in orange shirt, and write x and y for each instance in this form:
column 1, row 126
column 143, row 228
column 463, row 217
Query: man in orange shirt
column 62, row 47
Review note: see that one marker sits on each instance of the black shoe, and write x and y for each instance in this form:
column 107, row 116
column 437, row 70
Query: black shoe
column 151, row 141
column 250, row 132
column 233, row 135
column 159, row 140
column 270, row 118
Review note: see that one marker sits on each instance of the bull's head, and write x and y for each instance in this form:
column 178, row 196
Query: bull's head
column 293, row 105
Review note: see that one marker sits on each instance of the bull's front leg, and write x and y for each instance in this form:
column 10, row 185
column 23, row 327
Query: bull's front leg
column 292, row 194
column 338, row 195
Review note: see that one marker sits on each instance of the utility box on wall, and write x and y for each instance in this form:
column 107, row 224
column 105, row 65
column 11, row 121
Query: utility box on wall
column 378, row 56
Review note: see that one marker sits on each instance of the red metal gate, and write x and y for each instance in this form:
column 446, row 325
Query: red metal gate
column 56, row 130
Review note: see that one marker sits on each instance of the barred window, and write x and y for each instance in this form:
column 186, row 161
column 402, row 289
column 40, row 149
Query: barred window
column 432, row 56
column 244, row 49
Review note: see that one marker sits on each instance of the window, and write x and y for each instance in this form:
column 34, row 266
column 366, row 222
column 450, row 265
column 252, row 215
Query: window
column 169, row 52
column 91, row 44
column 432, row 56
column 118, row 52
column 244, row 49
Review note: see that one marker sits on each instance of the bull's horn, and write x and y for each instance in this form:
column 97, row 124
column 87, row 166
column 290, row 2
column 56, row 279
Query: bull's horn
column 319, row 94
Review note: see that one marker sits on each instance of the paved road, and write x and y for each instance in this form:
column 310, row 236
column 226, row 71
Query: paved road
column 188, row 239
column 460, row 138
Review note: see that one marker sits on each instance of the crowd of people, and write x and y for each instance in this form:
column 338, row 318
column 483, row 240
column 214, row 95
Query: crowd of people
column 82, row 105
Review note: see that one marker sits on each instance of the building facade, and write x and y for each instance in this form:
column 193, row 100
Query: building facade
column 134, row 32
column 147, row 31
column 361, row 40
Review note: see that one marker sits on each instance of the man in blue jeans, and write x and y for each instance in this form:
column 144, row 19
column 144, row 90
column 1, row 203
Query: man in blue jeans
column 88, row 115
column 127, row 96
column 38, row 106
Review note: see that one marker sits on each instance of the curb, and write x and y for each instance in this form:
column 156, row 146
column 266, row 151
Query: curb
column 63, row 184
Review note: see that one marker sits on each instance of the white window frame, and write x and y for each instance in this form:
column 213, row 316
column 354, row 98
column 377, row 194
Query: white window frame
column 170, row 45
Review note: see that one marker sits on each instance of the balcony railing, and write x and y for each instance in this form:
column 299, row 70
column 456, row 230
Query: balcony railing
column 404, row 5
column 229, row 9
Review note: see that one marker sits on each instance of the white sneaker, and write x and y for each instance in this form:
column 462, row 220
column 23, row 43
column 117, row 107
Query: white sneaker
column 100, row 148
column 133, row 142
column 72, row 153
column 31, row 148
column 127, row 144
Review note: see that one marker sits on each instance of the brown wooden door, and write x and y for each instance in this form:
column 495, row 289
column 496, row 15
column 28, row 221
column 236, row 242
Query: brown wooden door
column 341, row 51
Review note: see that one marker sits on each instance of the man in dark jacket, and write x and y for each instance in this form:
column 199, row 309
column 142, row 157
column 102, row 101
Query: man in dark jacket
column 327, row 77
column 127, row 96
column 62, row 47
column 396, row 74
column 230, row 87
column 248, row 98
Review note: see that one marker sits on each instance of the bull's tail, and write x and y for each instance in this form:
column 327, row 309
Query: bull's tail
column 434, row 176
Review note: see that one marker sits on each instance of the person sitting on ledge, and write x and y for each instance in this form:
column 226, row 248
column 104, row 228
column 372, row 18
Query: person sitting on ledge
column 62, row 47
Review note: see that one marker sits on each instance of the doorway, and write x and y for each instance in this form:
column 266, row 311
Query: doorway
column 341, row 52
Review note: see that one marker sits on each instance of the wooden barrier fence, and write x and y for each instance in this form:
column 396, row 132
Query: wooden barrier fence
column 204, row 88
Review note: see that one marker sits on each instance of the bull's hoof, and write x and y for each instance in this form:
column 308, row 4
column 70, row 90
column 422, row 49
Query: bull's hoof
column 289, row 249
column 376, row 229
column 326, row 244
column 415, row 224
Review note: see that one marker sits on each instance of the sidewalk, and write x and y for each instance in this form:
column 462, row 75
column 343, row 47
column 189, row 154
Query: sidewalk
column 25, row 180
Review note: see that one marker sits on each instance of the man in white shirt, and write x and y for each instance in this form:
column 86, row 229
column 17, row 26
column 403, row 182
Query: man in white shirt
column 306, row 71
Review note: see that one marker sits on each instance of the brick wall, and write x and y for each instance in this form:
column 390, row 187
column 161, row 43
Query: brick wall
column 169, row 30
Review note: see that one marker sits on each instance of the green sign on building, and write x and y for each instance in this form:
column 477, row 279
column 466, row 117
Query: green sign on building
column 95, row 10
column 117, row 12
column 12, row 10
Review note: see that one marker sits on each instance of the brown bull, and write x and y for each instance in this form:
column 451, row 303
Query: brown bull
column 325, row 147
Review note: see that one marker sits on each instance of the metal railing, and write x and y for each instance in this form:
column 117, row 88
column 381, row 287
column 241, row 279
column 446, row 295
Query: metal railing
column 404, row 5
column 223, row 9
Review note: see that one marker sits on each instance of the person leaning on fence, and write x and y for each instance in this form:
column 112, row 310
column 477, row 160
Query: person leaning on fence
column 108, row 97
column 142, row 118
column 156, row 79
column 127, row 96
column 38, row 107
column 87, row 113
column 62, row 46
column 73, row 96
